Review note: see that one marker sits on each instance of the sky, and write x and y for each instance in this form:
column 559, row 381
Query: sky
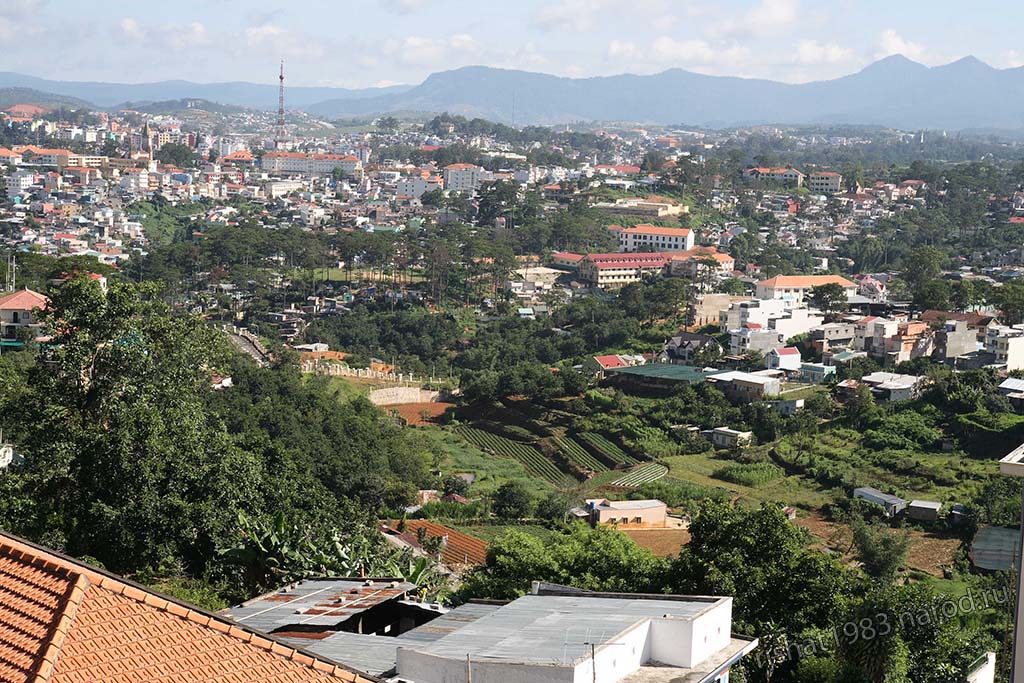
column 384, row 42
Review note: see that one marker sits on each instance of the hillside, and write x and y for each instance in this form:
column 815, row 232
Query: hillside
column 12, row 96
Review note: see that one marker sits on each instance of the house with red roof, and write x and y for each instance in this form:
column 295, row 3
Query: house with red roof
column 20, row 311
column 783, row 358
column 798, row 287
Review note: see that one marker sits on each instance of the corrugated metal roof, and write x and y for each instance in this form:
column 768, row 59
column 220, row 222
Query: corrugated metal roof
column 448, row 623
column 996, row 548
column 373, row 654
column 317, row 602
column 546, row 629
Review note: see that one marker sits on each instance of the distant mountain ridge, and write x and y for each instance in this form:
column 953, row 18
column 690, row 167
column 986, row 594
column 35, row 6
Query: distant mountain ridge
column 238, row 93
column 895, row 91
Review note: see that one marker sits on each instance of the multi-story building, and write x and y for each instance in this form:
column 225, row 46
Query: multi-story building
column 464, row 177
column 19, row 181
column 643, row 207
column 20, row 310
column 417, row 186
column 311, row 164
column 615, row 270
column 798, row 287
column 646, row 237
column 785, row 176
column 825, row 182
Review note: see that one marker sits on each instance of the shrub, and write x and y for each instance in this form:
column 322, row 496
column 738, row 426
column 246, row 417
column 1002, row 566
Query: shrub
column 750, row 474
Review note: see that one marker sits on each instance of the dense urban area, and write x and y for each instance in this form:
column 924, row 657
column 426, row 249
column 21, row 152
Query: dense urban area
column 242, row 351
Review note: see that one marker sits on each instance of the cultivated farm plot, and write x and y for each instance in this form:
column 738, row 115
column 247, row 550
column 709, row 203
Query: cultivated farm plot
column 579, row 455
column 529, row 456
column 642, row 475
column 606, row 448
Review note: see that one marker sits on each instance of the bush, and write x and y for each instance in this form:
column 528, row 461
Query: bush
column 750, row 474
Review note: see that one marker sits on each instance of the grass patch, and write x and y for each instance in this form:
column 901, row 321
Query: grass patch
column 454, row 454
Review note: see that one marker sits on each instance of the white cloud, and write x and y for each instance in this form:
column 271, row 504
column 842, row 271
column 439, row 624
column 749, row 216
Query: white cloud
column 1010, row 59
column 403, row 6
column 162, row 37
column 813, row 52
column 282, row 42
column 768, row 17
column 892, row 43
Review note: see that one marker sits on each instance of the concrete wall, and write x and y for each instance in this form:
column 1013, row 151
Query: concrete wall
column 422, row 667
column 687, row 643
column 396, row 395
column 616, row 659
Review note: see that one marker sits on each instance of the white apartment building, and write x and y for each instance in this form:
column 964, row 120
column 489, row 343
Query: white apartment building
column 417, row 186
column 1007, row 343
column 757, row 312
column 464, row 177
column 19, row 181
column 787, row 176
column 825, row 182
column 646, row 237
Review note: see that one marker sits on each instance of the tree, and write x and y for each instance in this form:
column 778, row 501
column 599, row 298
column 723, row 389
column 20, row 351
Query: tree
column 881, row 551
column 177, row 154
column 860, row 410
column 388, row 124
column 512, row 501
column 1010, row 300
column 453, row 484
column 597, row 559
column 123, row 462
column 829, row 298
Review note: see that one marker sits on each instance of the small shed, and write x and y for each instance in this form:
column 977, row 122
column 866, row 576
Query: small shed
column 893, row 504
column 924, row 510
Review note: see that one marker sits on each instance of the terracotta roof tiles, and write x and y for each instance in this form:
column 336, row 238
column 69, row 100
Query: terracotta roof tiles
column 63, row 622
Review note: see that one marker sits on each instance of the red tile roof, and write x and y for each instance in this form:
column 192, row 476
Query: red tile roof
column 648, row 229
column 25, row 300
column 64, row 622
column 805, row 281
column 608, row 362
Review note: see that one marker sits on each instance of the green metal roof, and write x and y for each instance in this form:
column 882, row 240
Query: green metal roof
column 666, row 371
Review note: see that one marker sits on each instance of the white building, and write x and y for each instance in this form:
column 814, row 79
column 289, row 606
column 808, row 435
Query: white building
column 464, row 177
column 561, row 635
column 417, row 186
column 798, row 287
column 311, row 164
column 825, row 182
column 646, row 237
column 19, row 181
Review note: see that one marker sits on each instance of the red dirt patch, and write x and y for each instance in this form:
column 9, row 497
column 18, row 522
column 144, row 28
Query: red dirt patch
column 661, row 542
column 930, row 551
column 418, row 414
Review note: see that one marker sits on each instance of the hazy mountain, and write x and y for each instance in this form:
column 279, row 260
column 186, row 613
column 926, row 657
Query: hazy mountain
column 966, row 94
column 894, row 92
column 253, row 95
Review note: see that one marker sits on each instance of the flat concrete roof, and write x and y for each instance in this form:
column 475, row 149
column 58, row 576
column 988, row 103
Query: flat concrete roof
column 557, row 629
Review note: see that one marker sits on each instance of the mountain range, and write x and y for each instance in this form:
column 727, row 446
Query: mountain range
column 894, row 91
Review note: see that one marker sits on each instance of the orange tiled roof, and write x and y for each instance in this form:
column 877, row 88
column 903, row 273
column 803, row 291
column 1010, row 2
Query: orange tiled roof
column 63, row 622
column 24, row 300
column 805, row 281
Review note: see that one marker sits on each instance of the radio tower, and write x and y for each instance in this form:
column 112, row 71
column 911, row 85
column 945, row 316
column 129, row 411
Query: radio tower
column 280, row 137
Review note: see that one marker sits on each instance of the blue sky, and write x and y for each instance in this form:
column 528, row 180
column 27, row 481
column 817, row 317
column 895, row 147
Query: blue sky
column 379, row 42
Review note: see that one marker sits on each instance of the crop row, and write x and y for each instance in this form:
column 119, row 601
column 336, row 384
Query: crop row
column 529, row 456
column 579, row 455
column 642, row 475
column 606, row 448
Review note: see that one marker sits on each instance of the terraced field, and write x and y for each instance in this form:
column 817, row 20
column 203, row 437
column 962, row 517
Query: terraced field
column 606, row 448
column 579, row 455
column 642, row 475
column 530, row 457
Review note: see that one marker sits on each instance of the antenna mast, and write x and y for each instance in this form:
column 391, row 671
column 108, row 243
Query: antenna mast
column 280, row 137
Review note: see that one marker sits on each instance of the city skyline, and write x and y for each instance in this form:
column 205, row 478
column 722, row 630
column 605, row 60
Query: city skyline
column 385, row 42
